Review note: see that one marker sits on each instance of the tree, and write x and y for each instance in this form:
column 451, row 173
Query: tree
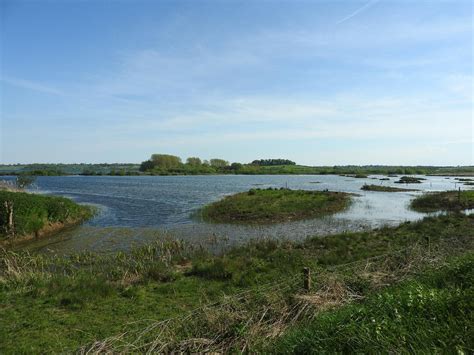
column 146, row 165
column 23, row 181
column 193, row 161
column 236, row 166
column 219, row 163
column 165, row 161
column 270, row 162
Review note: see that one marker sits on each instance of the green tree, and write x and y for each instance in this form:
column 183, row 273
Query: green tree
column 23, row 181
column 219, row 163
column 165, row 161
column 146, row 165
column 193, row 161
column 236, row 166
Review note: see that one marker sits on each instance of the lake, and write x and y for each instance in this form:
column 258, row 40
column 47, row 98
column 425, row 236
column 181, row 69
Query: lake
column 133, row 210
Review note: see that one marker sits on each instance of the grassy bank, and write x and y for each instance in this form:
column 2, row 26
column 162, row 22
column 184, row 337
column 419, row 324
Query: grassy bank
column 382, row 188
column 275, row 205
column 24, row 214
column 409, row 180
column 123, row 169
column 444, row 201
column 428, row 314
column 58, row 304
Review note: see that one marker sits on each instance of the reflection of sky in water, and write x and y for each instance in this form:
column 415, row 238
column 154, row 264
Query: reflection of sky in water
column 141, row 205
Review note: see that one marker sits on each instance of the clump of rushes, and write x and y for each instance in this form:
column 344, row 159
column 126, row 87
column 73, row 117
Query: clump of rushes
column 384, row 188
column 23, row 213
column 444, row 201
column 409, row 180
column 275, row 205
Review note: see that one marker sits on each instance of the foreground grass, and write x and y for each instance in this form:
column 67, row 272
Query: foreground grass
column 33, row 213
column 384, row 188
column 444, row 201
column 431, row 313
column 58, row 304
column 275, row 205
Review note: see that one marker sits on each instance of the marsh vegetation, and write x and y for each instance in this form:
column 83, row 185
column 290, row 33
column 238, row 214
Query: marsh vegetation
column 383, row 188
column 25, row 214
column 444, row 201
column 275, row 205
column 170, row 296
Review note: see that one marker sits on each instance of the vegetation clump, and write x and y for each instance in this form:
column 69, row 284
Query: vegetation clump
column 431, row 313
column 23, row 214
column 384, row 188
column 146, row 295
column 409, row 180
column 275, row 205
column 272, row 162
column 444, row 201
column 165, row 164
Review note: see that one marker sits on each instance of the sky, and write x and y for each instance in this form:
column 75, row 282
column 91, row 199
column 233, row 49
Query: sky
column 318, row 82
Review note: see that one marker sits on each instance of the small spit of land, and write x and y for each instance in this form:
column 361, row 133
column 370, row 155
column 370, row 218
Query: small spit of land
column 410, row 180
column 382, row 188
column 25, row 215
column 444, row 201
column 275, row 205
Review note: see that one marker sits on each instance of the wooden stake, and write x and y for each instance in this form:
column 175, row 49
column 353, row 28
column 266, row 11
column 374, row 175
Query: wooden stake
column 307, row 278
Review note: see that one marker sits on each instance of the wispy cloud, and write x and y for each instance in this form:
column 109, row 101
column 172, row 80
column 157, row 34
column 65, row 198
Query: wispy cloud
column 358, row 11
column 32, row 85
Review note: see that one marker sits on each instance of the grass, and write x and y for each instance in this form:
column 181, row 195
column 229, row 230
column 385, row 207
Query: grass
column 382, row 188
column 32, row 213
column 432, row 313
column 444, row 201
column 58, row 304
column 275, row 205
column 409, row 180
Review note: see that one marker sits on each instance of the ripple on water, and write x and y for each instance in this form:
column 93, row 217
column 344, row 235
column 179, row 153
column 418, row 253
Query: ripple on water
column 134, row 210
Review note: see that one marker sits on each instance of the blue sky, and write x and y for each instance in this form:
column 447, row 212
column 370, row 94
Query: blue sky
column 318, row 82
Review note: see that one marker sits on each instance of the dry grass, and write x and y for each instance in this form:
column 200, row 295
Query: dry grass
column 241, row 322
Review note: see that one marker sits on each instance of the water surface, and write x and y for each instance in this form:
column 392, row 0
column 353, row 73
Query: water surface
column 136, row 209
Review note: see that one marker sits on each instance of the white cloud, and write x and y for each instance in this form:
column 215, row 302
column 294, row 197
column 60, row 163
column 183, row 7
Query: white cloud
column 32, row 85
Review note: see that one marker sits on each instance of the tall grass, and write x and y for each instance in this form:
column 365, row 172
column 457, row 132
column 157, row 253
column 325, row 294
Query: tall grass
column 32, row 212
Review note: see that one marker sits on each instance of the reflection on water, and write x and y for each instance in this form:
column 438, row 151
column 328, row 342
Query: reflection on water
column 134, row 210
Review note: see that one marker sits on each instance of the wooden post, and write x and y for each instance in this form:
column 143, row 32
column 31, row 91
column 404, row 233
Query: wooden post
column 10, row 228
column 459, row 195
column 307, row 278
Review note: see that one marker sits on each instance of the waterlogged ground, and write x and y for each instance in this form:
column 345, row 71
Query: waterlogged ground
column 134, row 210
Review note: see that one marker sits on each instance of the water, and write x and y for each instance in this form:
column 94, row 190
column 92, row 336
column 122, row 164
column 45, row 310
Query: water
column 136, row 209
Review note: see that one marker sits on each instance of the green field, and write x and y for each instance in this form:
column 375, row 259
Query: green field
column 275, row 205
column 124, row 169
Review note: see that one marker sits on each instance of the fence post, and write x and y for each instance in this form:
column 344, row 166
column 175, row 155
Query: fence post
column 10, row 228
column 307, row 278
column 459, row 195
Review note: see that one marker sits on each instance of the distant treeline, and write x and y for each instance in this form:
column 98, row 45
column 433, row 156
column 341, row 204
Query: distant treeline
column 270, row 162
column 165, row 164
column 70, row 169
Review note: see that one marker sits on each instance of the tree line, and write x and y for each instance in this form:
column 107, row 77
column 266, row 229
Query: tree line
column 166, row 163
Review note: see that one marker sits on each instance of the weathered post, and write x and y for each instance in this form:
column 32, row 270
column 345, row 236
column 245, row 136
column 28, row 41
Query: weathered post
column 307, row 278
column 459, row 195
column 10, row 228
